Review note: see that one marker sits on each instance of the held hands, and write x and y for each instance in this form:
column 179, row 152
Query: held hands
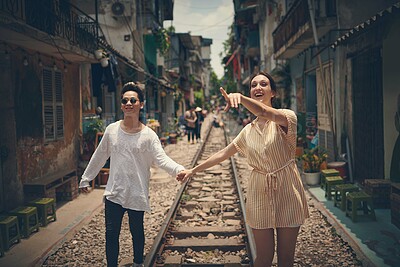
column 182, row 176
column 232, row 100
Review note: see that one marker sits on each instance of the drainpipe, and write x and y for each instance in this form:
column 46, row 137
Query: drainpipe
column 96, row 10
column 325, row 92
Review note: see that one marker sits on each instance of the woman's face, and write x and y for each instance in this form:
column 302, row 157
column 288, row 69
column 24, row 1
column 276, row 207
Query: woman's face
column 260, row 89
column 127, row 105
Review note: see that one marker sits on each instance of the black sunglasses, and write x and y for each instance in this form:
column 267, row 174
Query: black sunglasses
column 126, row 100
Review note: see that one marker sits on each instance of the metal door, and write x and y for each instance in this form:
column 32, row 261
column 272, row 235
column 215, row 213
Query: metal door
column 368, row 115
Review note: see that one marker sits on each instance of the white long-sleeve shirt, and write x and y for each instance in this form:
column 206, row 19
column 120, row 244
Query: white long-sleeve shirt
column 131, row 156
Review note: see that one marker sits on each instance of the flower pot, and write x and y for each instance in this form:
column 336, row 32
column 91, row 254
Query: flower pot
column 312, row 178
column 299, row 151
column 103, row 178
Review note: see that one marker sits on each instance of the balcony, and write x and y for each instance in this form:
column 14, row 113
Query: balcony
column 48, row 26
column 252, row 46
column 294, row 34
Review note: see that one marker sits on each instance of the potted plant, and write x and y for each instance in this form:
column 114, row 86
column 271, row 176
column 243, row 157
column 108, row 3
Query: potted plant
column 312, row 160
column 91, row 127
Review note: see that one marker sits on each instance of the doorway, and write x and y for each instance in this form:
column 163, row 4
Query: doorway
column 368, row 115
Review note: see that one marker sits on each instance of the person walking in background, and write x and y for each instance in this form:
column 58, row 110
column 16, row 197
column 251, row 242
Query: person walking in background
column 190, row 117
column 199, row 123
column 275, row 199
column 132, row 148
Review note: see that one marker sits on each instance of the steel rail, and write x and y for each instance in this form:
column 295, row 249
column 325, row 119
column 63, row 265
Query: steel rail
column 249, row 234
column 151, row 256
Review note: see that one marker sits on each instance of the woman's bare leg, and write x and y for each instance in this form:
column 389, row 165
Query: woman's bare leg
column 265, row 247
column 286, row 245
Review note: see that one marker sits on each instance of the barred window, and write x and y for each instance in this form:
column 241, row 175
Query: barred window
column 53, row 108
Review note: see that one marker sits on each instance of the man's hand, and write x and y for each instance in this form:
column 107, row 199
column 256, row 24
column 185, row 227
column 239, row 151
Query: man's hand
column 85, row 190
column 182, row 176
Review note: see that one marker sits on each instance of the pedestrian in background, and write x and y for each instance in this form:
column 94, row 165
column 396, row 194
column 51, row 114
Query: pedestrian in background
column 275, row 199
column 190, row 117
column 132, row 148
column 199, row 123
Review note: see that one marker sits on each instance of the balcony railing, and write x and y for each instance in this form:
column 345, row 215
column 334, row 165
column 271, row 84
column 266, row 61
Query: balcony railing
column 56, row 18
column 294, row 34
column 296, row 17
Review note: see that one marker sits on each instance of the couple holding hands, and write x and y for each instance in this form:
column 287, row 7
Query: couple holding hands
column 275, row 198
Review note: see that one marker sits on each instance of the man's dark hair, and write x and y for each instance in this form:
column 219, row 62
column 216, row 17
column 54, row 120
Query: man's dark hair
column 131, row 86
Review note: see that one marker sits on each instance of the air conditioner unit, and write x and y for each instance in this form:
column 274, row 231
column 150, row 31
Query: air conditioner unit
column 121, row 9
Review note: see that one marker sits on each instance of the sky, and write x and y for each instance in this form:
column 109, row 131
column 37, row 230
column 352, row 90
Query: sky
column 208, row 18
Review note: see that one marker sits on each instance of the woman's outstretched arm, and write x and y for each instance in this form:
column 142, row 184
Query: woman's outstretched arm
column 218, row 157
column 256, row 107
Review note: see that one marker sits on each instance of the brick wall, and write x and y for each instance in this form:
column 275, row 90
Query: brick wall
column 68, row 191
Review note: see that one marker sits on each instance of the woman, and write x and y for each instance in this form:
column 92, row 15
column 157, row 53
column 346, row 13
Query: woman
column 275, row 196
column 132, row 148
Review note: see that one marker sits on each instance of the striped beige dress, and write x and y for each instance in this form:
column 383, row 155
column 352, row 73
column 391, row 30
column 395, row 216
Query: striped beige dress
column 275, row 195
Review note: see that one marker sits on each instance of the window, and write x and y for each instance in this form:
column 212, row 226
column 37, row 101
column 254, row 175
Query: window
column 53, row 109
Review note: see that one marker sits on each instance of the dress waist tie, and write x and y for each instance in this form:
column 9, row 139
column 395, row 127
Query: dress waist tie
column 272, row 179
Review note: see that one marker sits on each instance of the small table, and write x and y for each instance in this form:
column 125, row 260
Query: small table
column 9, row 231
column 341, row 191
column 28, row 219
column 46, row 209
column 330, row 182
column 359, row 201
column 327, row 173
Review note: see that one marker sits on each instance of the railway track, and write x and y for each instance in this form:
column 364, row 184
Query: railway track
column 205, row 225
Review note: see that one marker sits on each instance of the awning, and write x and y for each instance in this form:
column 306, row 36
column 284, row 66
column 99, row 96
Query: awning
column 186, row 40
column 392, row 10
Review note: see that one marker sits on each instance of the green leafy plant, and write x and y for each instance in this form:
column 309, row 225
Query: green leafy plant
column 163, row 40
column 93, row 127
column 312, row 159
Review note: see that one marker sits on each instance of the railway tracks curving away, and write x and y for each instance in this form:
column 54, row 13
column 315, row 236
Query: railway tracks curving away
column 207, row 216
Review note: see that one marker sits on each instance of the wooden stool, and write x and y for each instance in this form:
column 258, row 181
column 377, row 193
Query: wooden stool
column 327, row 173
column 9, row 230
column 99, row 177
column 46, row 210
column 341, row 190
column 356, row 201
column 163, row 141
column 330, row 182
column 28, row 220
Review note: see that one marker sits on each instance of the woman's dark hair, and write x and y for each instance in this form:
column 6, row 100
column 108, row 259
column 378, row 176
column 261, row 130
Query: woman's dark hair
column 266, row 74
column 272, row 84
column 131, row 86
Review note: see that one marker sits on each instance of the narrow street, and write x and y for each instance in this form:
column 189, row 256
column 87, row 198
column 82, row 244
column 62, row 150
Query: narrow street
column 318, row 243
column 317, row 81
